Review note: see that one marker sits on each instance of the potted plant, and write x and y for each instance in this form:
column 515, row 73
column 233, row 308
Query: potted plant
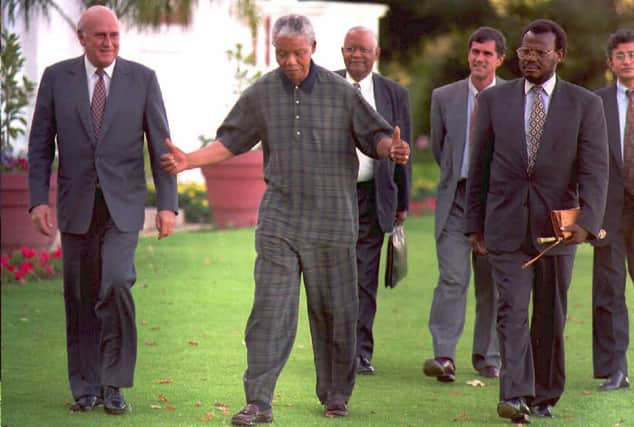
column 17, row 229
column 235, row 186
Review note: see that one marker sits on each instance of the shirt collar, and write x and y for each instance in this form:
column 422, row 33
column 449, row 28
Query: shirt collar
column 621, row 88
column 90, row 69
column 306, row 85
column 365, row 84
column 474, row 90
column 548, row 85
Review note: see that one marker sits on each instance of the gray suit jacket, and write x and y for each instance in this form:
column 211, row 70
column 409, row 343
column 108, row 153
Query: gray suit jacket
column 134, row 113
column 571, row 168
column 448, row 136
column 392, row 182
column 613, row 219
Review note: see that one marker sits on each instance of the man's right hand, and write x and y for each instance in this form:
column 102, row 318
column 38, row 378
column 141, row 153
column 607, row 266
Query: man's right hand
column 477, row 244
column 175, row 161
column 42, row 218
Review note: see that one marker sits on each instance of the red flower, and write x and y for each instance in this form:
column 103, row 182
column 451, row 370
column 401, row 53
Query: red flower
column 44, row 256
column 26, row 267
column 57, row 253
column 28, row 252
column 24, row 165
column 49, row 269
column 5, row 261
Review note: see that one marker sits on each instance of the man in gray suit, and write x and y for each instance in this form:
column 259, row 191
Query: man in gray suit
column 382, row 186
column 98, row 109
column 540, row 144
column 451, row 119
column 610, row 324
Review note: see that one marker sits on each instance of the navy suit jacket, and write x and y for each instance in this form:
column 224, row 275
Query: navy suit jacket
column 613, row 218
column 571, row 170
column 134, row 113
column 392, row 182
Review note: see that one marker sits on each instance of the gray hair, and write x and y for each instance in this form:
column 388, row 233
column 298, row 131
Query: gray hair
column 293, row 25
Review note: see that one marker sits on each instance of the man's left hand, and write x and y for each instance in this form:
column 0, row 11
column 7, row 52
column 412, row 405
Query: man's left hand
column 399, row 150
column 578, row 234
column 401, row 216
column 165, row 223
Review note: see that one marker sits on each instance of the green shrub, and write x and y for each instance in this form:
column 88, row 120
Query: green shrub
column 192, row 198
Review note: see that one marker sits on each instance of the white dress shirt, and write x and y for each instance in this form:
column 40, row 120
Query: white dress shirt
column 366, row 164
column 92, row 77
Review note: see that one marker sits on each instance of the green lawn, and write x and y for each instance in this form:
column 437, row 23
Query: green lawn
column 193, row 296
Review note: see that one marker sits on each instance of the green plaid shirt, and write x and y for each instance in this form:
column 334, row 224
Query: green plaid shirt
column 308, row 135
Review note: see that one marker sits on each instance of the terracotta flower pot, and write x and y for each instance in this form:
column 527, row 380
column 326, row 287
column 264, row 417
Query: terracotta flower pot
column 17, row 228
column 235, row 188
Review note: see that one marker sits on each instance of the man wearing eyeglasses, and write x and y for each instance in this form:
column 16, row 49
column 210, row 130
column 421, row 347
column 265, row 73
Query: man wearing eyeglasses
column 452, row 111
column 610, row 325
column 540, row 145
column 382, row 186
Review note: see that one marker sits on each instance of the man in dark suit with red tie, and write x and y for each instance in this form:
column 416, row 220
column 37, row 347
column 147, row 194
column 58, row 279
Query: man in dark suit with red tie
column 540, row 145
column 98, row 110
column 610, row 324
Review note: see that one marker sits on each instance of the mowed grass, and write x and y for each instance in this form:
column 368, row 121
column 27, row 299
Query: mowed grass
column 193, row 296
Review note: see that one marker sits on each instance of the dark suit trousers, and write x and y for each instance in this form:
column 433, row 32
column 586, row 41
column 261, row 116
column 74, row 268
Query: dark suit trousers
column 610, row 324
column 369, row 246
column 330, row 280
column 532, row 360
column 100, row 327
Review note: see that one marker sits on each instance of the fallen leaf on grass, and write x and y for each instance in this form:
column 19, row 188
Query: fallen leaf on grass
column 224, row 408
column 289, row 405
column 155, row 406
column 164, row 381
column 144, row 285
column 198, row 403
column 162, row 398
column 208, row 416
column 144, row 322
column 149, row 342
column 476, row 383
column 170, row 408
column 461, row 416
column 586, row 392
column 618, row 424
column 156, row 328
column 456, row 393
column 301, row 346
column 192, row 343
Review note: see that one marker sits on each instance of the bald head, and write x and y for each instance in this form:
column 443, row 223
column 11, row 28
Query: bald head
column 98, row 33
column 360, row 51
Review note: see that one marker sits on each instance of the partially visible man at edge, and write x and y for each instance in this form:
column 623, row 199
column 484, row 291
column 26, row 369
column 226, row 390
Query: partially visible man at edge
column 97, row 109
column 382, row 186
column 309, row 120
column 610, row 324
column 451, row 120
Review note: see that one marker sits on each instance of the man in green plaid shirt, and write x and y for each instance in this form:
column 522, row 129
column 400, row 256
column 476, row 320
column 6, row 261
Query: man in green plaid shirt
column 306, row 118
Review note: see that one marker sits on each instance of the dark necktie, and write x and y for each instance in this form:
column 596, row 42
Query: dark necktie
column 357, row 85
column 98, row 103
column 628, row 145
column 535, row 126
column 474, row 111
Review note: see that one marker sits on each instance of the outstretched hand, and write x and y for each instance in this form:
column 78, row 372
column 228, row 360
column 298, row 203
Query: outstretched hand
column 175, row 161
column 399, row 150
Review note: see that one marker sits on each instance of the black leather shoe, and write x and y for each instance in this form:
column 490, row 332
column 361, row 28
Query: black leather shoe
column 542, row 410
column 615, row 381
column 514, row 409
column 113, row 401
column 336, row 408
column 364, row 367
column 86, row 403
column 489, row 372
column 251, row 415
column 442, row 368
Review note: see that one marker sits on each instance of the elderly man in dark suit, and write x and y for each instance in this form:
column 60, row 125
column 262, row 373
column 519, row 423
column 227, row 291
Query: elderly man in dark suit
column 451, row 119
column 382, row 186
column 97, row 109
column 540, row 145
column 610, row 325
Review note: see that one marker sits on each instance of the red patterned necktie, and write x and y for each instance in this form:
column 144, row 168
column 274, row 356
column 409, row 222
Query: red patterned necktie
column 628, row 145
column 535, row 126
column 98, row 103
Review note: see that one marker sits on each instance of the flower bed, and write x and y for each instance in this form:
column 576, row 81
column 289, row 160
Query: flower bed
column 27, row 265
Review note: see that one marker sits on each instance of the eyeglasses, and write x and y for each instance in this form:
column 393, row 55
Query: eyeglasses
column 524, row 52
column 363, row 50
column 620, row 57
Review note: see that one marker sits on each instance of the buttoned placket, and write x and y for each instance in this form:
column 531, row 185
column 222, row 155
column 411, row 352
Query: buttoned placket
column 297, row 133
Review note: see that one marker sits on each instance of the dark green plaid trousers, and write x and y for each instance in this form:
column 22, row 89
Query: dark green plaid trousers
column 330, row 279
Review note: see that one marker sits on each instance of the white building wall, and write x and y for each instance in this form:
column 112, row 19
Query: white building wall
column 191, row 63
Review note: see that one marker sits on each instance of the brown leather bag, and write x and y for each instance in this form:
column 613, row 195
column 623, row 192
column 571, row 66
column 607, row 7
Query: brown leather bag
column 559, row 218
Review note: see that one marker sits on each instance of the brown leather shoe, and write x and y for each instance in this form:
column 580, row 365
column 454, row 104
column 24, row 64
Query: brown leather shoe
column 442, row 368
column 251, row 415
column 489, row 372
column 336, row 408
